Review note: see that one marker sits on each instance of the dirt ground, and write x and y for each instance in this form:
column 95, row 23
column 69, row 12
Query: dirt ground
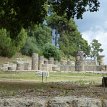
column 51, row 89
column 59, row 89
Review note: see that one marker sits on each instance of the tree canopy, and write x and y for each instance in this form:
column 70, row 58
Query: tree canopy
column 70, row 39
column 74, row 8
column 38, row 36
column 15, row 14
column 95, row 49
column 8, row 46
column 50, row 50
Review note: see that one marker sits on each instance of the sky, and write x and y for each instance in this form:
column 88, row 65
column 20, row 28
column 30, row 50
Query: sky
column 94, row 26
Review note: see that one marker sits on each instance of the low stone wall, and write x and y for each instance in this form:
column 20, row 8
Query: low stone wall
column 69, row 101
column 40, row 63
column 91, row 68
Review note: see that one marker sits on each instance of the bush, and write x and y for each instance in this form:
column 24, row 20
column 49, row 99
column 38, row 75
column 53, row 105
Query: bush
column 50, row 50
column 30, row 47
column 7, row 47
column 21, row 39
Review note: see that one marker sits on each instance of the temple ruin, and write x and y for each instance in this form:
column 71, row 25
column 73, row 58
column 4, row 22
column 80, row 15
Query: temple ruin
column 40, row 63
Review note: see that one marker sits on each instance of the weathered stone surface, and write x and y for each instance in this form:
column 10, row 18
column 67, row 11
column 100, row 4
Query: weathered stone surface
column 20, row 66
column 34, row 61
column 69, row 101
column 51, row 61
column 55, row 68
column 26, row 66
column 21, row 102
column 74, row 102
column 37, row 62
column 104, row 103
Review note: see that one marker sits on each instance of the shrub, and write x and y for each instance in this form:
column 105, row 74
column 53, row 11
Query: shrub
column 21, row 39
column 30, row 47
column 7, row 47
column 50, row 50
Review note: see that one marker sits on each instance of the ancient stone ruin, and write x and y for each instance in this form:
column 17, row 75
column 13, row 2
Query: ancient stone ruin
column 68, row 101
column 40, row 63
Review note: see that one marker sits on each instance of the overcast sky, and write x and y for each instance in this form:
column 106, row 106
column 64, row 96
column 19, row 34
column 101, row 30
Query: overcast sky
column 94, row 26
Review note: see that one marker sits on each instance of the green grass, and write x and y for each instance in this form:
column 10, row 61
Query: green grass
column 53, row 77
column 57, row 84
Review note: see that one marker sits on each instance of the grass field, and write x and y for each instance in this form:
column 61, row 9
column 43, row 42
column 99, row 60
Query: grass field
column 57, row 84
column 54, row 77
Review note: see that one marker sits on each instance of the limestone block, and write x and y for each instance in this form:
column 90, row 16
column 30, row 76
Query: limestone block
column 45, row 61
column 26, row 66
column 104, row 103
column 5, row 66
column 34, row 61
column 56, row 62
column 20, row 66
column 44, row 67
column 49, row 67
column 51, row 61
column 55, row 68
column 41, row 59
column 74, row 102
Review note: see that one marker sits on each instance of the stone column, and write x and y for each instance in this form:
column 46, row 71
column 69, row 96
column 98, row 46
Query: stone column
column 34, row 61
column 51, row 61
column 63, row 62
column 45, row 61
column 20, row 66
column 79, row 64
column 69, row 62
column 56, row 62
column 26, row 66
column 41, row 62
column 101, row 60
column 101, row 63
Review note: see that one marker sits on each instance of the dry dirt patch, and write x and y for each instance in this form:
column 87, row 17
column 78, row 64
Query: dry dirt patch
column 51, row 89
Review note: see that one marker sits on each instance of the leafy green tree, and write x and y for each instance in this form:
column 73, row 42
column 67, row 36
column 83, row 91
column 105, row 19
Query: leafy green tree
column 18, row 14
column 7, row 46
column 42, row 35
column 30, row 47
column 21, row 39
column 15, row 14
column 70, row 40
column 95, row 49
column 50, row 50
column 38, row 36
column 74, row 8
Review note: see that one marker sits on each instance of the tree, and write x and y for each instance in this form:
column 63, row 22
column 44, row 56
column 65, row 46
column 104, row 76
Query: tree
column 30, row 47
column 15, row 14
column 95, row 49
column 70, row 40
column 42, row 34
column 21, row 39
column 7, row 46
column 50, row 50
column 38, row 36
column 74, row 8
